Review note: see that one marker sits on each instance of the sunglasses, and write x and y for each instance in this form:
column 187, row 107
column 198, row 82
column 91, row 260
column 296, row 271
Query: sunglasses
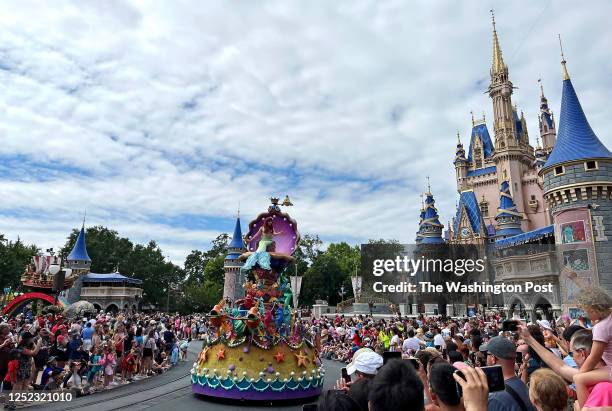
column 571, row 353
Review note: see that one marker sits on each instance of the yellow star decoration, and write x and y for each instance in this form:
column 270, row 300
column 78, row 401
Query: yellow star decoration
column 301, row 359
column 203, row 356
column 221, row 354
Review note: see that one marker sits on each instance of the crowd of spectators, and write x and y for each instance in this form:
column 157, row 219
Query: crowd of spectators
column 547, row 365
column 93, row 353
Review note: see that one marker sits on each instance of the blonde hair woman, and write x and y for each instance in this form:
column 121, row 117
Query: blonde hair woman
column 547, row 391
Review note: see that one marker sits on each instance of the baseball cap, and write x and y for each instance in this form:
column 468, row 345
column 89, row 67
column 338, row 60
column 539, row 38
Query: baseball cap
column 366, row 361
column 500, row 347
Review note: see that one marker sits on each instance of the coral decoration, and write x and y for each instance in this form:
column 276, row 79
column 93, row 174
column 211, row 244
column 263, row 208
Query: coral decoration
column 221, row 354
column 301, row 359
column 279, row 357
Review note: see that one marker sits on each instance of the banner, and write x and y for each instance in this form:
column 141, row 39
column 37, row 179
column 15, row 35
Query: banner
column 296, row 285
column 356, row 282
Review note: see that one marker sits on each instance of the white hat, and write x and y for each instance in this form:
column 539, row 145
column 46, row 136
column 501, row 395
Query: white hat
column 544, row 324
column 366, row 361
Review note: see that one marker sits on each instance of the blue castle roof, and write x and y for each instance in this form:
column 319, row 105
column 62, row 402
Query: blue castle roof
column 518, row 125
column 79, row 251
column 237, row 241
column 109, row 278
column 575, row 139
column 506, row 208
column 430, row 228
column 481, row 132
column 467, row 201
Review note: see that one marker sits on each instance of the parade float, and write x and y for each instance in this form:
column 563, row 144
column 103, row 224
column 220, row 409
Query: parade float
column 48, row 275
column 256, row 349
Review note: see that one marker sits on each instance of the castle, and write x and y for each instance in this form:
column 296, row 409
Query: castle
column 511, row 193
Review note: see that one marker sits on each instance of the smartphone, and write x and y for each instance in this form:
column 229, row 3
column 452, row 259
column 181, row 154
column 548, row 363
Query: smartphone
column 389, row 355
column 495, row 377
column 519, row 357
column 457, row 386
column 437, row 347
column 345, row 376
column 510, row 325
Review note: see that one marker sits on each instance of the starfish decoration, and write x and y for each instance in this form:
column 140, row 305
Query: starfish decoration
column 301, row 359
column 202, row 356
column 221, row 354
column 280, row 357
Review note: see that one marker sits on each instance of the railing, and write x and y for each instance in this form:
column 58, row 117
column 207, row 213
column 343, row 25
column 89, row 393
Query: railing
column 110, row 291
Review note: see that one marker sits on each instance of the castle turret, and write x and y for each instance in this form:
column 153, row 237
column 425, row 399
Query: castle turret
column 508, row 218
column 513, row 156
column 578, row 185
column 461, row 165
column 548, row 130
column 430, row 228
column 78, row 259
column 79, row 262
column 232, row 287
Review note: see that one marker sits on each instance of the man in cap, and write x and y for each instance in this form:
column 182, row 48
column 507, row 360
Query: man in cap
column 501, row 351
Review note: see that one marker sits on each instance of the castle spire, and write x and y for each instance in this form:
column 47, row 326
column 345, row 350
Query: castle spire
column 237, row 241
column 430, row 228
column 498, row 65
column 79, row 251
column 508, row 217
column 563, row 62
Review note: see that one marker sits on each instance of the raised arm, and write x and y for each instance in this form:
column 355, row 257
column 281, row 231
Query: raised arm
column 554, row 362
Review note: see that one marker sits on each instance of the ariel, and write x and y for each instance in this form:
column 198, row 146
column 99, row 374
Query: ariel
column 261, row 256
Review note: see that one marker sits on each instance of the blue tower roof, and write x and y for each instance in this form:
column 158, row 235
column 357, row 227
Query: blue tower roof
column 467, row 201
column 506, row 207
column 481, row 132
column 575, row 139
column 79, row 251
column 237, row 241
column 430, row 228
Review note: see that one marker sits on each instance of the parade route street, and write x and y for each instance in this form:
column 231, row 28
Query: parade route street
column 170, row 391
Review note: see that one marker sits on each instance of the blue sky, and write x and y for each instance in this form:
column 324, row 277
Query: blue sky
column 160, row 117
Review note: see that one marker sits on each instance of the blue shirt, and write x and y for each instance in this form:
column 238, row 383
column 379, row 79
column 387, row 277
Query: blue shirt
column 87, row 333
column 504, row 401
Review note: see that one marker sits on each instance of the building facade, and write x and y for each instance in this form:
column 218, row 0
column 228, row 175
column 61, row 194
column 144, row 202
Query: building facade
column 513, row 194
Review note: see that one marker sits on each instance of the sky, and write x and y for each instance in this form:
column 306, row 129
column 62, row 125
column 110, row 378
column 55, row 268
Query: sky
column 161, row 118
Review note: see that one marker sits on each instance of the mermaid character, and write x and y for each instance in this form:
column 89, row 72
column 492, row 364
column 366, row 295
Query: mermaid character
column 261, row 256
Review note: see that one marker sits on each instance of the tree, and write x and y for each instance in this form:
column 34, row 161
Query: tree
column 14, row 257
column 195, row 263
column 107, row 250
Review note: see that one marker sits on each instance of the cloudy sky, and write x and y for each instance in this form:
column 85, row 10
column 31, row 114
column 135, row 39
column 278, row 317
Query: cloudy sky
column 160, row 117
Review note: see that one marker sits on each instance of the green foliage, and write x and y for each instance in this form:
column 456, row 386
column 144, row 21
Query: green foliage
column 14, row 256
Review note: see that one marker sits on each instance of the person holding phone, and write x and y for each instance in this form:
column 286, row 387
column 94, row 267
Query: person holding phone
column 515, row 397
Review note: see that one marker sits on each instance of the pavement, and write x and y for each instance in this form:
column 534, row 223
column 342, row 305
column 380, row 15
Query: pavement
column 170, row 391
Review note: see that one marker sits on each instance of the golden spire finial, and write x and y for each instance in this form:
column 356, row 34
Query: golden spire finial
column 484, row 116
column 538, row 142
column 498, row 61
column 238, row 213
column 473, row 122
column 428, row 186
column 541, row 88
column 458, row 138
column 563, row 62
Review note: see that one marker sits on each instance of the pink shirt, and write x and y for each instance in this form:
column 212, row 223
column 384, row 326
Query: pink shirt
column 600, row 396
column 602, row 331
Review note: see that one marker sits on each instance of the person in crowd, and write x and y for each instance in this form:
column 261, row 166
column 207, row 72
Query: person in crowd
column 501, row 351
column 547, row 391
column 337, row 401
column 443, row 389
column 597, row 304
column 394, row 387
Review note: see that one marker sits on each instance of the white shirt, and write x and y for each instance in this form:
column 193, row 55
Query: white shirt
column 411, row 344
column 439, row 340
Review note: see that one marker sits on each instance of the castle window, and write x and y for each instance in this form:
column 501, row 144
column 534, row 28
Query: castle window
column 559, row 170
column 590, row 165
column 533, row 197
column 484, row 209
